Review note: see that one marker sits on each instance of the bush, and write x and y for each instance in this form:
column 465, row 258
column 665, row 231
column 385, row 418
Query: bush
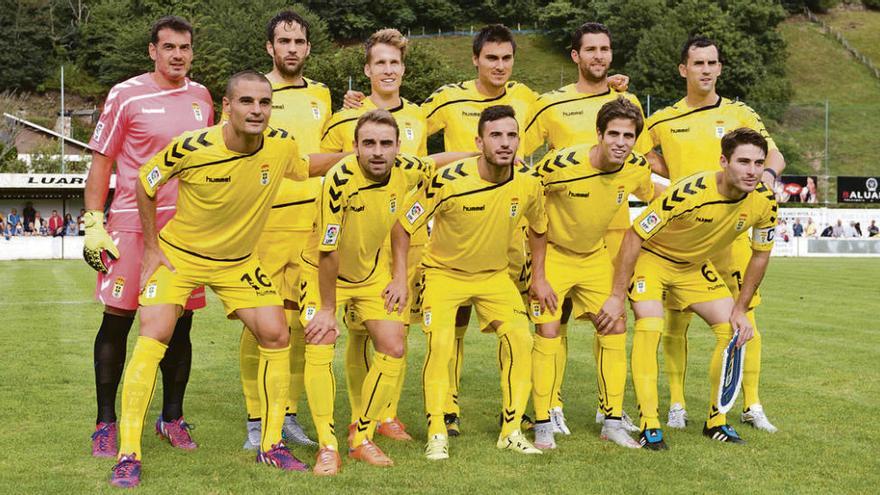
column 871, row 4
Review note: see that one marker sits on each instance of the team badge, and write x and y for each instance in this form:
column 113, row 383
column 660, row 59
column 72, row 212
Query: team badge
column 331, row 235
column 408, row 131
column 536, row 308
column 621, row 193
column 514, row 207
column 741, row 222
column 392, row 203
column 415, row 212
column 197, row 111
column 316, row 112
column 640, row 285
column 99, row 129
column 154, row 176
column 310, row 312
column 426, row 316
column 118, row 285
column 650, row 221
column 264, row 174
column 719, row 129
column 150, row 290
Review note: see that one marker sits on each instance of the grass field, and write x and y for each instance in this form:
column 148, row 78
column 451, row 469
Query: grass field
column 860, row 27
column 821, row 386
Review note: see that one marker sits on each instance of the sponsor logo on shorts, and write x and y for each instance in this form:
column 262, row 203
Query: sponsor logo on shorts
column 118, row 285
column 426, row 316
column 316, row 112
column 154, row 176
column 641, row 285
column 331, row 235
column 99, row 129
column 197, row 111
column 415, row 212
column 517, row 311
column 650, row 221
column 151, row 289
column 264, row 174
column 310, row 312
column 392, row 203
column 717, row 286
column 514, row 207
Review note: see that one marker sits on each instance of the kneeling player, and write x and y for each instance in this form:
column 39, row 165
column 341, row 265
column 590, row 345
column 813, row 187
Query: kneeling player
column 228, row 176
column 476, row 204
column 585, row 186
column 668, row 248
column 345, row 266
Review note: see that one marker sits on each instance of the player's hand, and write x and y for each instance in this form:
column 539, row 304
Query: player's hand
column 395, row 295
column 740, row 323
column 153, row 259
column 541, row 291
column 353, row 99
column 619, row 82
column 614, row 309
column 323, row 323
column 97, row 241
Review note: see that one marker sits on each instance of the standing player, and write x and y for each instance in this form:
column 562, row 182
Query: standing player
column 477, row 205
column 385, row 66
column 301, row 106
column 665, row 261
column 229, row 175
column 567, row 117
column 689, row 133
column 585, row 186
column 346, row 266
column 140, row 117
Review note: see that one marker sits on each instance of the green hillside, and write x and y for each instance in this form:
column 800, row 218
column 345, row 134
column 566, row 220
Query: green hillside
column 860, row 27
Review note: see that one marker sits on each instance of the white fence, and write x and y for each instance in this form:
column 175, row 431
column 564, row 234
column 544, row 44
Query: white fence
column 41, row 248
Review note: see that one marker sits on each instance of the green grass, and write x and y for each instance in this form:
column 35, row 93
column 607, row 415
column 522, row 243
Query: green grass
column 860, row 27
column 820, row 386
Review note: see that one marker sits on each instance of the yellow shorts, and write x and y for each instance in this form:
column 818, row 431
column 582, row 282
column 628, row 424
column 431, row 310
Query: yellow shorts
column 677, row 285
column 585, row 279
column 414, row 276
column 519, row 267
column 241, row 284
column 363, row 302
column 731, row 264
column 613, row 239
column 493, row 295
column 279, row 253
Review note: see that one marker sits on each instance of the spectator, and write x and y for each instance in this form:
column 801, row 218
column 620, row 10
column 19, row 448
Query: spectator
column 837, row 230
column 828, row 231
column 4, row 228
column 811, row 228
column 782, row 230
column 858, row 228
column 19, row 229
column 13, row 219
column 55, row 225
column 81, row 223
column 28, row 213
column 37, row 225
column 873, row 231
column 797, row 229
column 70, row 227
column 849, row 231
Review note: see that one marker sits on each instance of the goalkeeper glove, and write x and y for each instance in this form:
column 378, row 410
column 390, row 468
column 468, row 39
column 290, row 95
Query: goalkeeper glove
column 97, row 242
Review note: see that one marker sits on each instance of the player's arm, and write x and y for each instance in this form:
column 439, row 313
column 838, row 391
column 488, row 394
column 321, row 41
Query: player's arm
column 396, row 292
column 539, row 288
column 755, row 271
column 324, row 321
column 353, row 99
column 614, row 308
column 774, row 165
column 321, row 163
column 97, row 240
column 658, row 164
column 447, row 157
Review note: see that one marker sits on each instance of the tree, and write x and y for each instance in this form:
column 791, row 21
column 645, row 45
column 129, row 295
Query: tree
column 27, row 43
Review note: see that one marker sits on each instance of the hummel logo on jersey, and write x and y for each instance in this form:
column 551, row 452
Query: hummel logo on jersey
column 470, row 114
column 358, row 208
column 704, row 219
column 218, row 179
column 572, row 114
column 680, row 130
column 280, row 106
column 573, row 194
column 153, row 110
column 474, row 208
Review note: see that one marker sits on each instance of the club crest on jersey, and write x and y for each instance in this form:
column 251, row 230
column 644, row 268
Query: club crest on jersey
column 719, row 130
column 621, row 193
column 118, row 285
column 640, row 285
column 415, row 212
column 514, row 207
column 426, row 316
column 310, row 311
column 197, row 111
column 392, row 203
column 316, row 112
column 650, row 221
column 264, row 174
column 741, row 222
column 408, row 131
column 331, row 235
column 99, row 129
column 154, row 176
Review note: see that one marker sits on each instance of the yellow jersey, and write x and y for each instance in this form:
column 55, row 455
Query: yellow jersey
column 339, row 133
column 224, row 197
column 455, row 109
column 581, row 201
column 690, row 138
column 304, row 110
column 355, row 214
column 474, row 220
column 692, row 222
column 566, row 117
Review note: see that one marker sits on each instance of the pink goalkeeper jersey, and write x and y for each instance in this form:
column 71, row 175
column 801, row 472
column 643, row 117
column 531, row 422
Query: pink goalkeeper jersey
column 138, row 120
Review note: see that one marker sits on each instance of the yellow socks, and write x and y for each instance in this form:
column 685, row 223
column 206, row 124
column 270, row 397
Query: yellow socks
column 723, row 333
column 455, row 364
column 249, row 361
column 611, row 370
column 391, row 411
column 544, row 374
column 515, row 347
column 646, row 339
column 377, row 392
column 297, row 361
column 357, row 364
column 435, row 377
column 752, row 367
column 320, row 386
column 675, row 352
column 273, row 383
column 137, row 392
column 561, row 360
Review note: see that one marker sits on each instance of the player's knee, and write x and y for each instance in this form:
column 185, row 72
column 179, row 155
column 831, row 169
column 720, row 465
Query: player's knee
column 394, row 349
column 548, row 330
